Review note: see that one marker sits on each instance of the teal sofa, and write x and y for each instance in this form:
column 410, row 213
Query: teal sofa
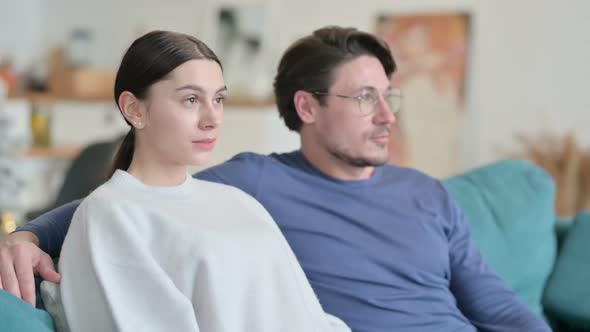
column 510, row 206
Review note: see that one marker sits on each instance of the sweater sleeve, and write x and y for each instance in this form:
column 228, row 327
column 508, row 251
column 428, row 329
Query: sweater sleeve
column 481, row 294
column 51, row 227
column 111, row 280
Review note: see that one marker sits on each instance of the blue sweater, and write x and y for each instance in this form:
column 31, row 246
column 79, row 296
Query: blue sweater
column 391, row 253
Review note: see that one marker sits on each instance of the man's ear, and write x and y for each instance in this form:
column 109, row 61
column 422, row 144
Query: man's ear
column 306, row 106
column 132, row 109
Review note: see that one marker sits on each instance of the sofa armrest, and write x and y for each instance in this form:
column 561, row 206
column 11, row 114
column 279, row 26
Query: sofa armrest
column 567, row 295
column 17, row 315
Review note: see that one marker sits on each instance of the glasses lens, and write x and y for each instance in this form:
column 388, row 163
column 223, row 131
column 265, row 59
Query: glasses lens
column 367, row 102
column 394, row 101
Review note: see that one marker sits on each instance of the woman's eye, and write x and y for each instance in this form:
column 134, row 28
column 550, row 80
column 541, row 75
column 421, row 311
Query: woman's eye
column 191, row 100
column 219, row 100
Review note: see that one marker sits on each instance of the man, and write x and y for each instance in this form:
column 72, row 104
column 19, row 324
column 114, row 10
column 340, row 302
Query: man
column 385, row 248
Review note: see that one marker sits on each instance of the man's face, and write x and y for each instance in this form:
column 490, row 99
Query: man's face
column 341, row 129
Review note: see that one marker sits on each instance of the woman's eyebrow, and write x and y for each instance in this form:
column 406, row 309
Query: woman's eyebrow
column 191, row 87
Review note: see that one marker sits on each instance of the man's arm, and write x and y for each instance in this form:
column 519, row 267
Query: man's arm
column 21, row 258
column 481, row 294
column 51, row 227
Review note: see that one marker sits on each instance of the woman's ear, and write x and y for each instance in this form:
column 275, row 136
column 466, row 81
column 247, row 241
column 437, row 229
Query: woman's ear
column 132, row 109
column 306, row 106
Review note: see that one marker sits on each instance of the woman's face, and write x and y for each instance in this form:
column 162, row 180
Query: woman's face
column 184, row 114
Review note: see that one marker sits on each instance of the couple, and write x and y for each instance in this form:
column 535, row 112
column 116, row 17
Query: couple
column 384, row 248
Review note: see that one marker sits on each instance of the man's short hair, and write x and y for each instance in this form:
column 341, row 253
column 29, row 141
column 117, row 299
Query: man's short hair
column 309, row 64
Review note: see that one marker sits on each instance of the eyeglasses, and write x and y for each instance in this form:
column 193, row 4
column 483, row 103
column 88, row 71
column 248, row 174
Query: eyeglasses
column 369, row 98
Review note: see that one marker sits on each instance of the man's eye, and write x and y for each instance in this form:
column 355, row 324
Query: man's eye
column 366, row 97
column 219, row 100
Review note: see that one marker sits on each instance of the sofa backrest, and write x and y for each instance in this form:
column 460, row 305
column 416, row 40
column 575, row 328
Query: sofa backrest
column 510, row 205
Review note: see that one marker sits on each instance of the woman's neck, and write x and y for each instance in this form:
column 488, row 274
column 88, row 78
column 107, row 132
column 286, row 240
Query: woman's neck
column 152, row 171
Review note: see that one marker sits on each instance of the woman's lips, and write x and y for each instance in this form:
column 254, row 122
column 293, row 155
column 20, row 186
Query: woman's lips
column 205, row 144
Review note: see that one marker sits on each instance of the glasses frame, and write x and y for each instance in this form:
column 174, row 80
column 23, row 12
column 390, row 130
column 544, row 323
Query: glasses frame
column 395, row 93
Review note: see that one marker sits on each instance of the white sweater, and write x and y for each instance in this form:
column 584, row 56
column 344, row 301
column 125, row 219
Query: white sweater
column 200, row 256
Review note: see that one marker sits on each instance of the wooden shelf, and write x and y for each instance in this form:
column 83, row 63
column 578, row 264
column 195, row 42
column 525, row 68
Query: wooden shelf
column 51, row 98
column 55, row 152
column 250, row 103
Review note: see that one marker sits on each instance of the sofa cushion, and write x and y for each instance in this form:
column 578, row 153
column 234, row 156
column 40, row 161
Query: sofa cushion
column 567, row 296
column 510, row 205
column 17, row 315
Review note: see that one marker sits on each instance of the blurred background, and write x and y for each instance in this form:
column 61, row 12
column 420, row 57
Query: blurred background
column 482, row 80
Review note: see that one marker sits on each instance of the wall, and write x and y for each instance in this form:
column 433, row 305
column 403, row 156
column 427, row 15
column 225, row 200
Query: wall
column 529, row 70
column 21, row 40
column 532, row 77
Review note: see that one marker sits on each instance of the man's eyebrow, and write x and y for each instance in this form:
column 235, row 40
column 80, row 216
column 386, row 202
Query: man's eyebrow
column 369, row 87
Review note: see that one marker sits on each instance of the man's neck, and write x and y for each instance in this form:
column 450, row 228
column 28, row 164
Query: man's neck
column 334, row 167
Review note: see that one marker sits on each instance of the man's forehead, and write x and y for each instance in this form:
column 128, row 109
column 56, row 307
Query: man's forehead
column 360, row 72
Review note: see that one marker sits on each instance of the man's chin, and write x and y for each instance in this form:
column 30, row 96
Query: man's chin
column 377, row 161
column 377, row 158
column 365, row 161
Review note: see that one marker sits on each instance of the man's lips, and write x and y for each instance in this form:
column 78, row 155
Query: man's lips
column 381, row 138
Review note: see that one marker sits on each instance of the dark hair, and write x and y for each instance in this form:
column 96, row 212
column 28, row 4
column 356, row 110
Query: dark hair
column 150, row 59
column 309, row 64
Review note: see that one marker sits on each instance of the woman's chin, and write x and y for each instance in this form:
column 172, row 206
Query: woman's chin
column 200, row 160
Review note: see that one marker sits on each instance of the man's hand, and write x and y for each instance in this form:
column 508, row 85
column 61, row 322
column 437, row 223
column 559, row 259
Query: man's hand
column 20, row 260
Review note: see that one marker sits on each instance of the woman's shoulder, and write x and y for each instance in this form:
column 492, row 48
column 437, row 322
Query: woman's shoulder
column 205, row 187
column 105, row 196
column 226, row 194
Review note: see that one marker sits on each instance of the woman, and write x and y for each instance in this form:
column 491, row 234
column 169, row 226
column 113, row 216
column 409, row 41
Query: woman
column 156, row 250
